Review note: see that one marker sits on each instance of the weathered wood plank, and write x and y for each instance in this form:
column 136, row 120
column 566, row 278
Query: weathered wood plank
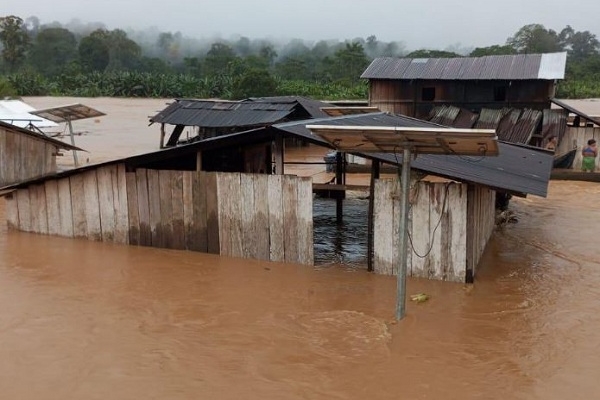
column 132, row 209
column 290, row 219
column 154, row 206
column 178, row 241
column 141, row 177
column 261, row 205
column 24, row 209
column 121, row 205
column 383, row 234
column 305, row 221
column 92, row 205
column 457, row 219
column 53, row 207
column 249, row 243
column 65, row 209
column 78, row 202
column 39, row 214
column 200, row 196
column 3, row 159
column 8, row 163
column 12, row 210
column 106, row 202
column 230, row 214
column 188, row 209
column 276, row 230
column 212, row 212
column 166, row 208
column 420, row 233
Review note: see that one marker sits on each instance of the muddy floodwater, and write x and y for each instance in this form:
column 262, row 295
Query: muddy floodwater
column 86, row 320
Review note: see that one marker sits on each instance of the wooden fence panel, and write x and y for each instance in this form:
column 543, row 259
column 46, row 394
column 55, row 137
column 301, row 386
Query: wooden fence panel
column 290, row 218
column 166, row 208
column 247, row 222
column 92, row 205
column 200, row 211
column 133, row 209
column 141, row 177
column 154, row 205
column 261, row 220
column 52, row 207
column 304, row 213
column 121, row 205
column 178, row 241
column 24, row 209
column 12, row 210
column 383, row 232
column 212, row 212
column 457, row 220
column 78, row 202
column 230, row 214
column 65, row 207
column 276, row 233
column 39, row 214
column 106, row 202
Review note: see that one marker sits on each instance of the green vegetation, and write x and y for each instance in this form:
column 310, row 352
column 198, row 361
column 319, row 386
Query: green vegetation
column 58, row 61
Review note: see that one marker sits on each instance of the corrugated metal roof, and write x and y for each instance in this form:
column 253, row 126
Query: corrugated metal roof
column 516, row 169
column 554, row 123
column 505, row 67
column 246, row 113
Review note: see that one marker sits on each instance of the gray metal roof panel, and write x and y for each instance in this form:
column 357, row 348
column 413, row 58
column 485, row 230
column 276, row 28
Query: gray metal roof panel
column 503, row 67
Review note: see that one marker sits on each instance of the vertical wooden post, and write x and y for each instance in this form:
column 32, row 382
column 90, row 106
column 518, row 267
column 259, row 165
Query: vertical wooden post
column 278, row 149
column 162, row 136
column 339, row 179
column 374, row 175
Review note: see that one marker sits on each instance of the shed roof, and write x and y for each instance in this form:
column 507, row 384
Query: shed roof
column 517, row 169
column 38, row 136
column 248, row 113
column 547, row 66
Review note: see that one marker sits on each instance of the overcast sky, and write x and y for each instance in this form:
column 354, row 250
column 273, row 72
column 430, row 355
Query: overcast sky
column 432, row 24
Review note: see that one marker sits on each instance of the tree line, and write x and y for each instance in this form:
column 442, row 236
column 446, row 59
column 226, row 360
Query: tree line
column 55, row 60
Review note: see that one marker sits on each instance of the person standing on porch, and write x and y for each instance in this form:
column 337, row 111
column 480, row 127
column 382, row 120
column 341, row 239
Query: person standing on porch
column 589, row 154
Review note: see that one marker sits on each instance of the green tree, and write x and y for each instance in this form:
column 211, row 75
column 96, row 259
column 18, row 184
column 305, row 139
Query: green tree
column 94, row 54
column 348, row 63
column 535, row 38
column 218, row 59
column 495, row 50
column 52, row 50
column 579, row 45
column 15, row 41
column 254, row 83
column 124, row 53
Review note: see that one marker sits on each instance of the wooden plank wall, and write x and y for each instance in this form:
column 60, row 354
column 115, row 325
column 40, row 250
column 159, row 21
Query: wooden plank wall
column 267, row 217
column 23, row 157
column 578, row 137
column 91, row 205
column 481, row 214
column 437, row 226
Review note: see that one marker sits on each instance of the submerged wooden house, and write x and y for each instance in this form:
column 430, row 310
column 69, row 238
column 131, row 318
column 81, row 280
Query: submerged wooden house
column 25, row 154
column 181, row 198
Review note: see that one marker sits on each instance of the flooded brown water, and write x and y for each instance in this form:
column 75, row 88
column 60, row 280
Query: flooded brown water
column 96, row 321
column 85, row 320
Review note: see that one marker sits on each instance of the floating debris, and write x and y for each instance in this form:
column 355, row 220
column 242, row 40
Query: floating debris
column 419, row 298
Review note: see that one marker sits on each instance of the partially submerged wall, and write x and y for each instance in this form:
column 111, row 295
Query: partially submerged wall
column 449, row 225
column 239, row 215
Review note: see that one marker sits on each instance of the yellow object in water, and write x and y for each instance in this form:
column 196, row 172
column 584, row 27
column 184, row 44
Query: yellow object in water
column 419, row 298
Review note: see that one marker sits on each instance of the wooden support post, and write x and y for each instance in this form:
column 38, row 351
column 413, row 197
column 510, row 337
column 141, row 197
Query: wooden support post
column 370, row 245
column 162, row 136
column 278, row 149
column 339, row 180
